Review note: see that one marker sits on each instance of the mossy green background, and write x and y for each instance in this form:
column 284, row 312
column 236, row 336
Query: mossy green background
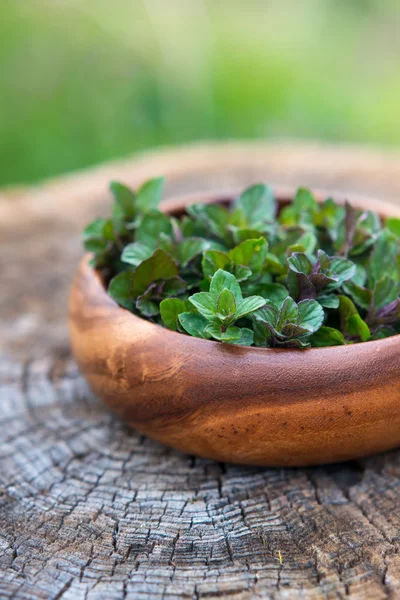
column 84, row 81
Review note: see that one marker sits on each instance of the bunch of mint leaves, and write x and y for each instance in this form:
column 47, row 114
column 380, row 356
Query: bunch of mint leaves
column 246, row 273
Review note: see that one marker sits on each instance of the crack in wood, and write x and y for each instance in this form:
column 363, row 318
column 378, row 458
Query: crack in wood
column 103, row 504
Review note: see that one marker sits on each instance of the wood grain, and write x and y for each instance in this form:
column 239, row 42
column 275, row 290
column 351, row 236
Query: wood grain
column 246, row 405
column 90, row 510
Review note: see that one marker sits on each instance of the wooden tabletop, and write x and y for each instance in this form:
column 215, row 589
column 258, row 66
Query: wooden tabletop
column 91, row 510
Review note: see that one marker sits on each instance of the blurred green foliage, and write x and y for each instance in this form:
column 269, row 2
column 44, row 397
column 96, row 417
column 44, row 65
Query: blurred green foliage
column 88, row 80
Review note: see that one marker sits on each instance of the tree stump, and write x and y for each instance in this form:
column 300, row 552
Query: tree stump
column 92, row 510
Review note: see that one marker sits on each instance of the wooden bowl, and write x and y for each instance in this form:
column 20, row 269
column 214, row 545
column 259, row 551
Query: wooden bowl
column 251, row 405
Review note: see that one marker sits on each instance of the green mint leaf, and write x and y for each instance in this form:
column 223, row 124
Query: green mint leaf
column 159, row 266
column 360, row 276
column 327, row 336
column 108, row 231
column 346, row 230
column 306, row 244
column 231, row 334
column 174, row 286
column 309, row 241
column 275, row 293
column 291, row 331
column 222, row 279
column 306, row 280
column 385, row 291
column 189, row 248
column 98, row 247
column 147, row 305
column 194, row 324
column 273, row 265
column 383, row 332
column 95, row 230
column 213, row 217
column 346, row 308
column 123, row 210
column 212, row 261
column 241, row 234
column 124, row 199
column 241, row 273
column 248, row 306
column 323, row 262
column 98, row 238
column 358, row 233
column 170, row 310
column 328, row 301
column 329, row 218
column 384, row 258
column 258, row 204
column 360, row 295
column 149, row 195
column 153, row 224
column 352, row 324
column 310, row 315
column 267, row 314
column 288, row 312
column 393, row 224
column 135, row 253
column 167, row 243
column 262, row 334
column 120, row 289
column 246, row 337
column 300, row 263
column 342, row 268
column 389, row 314
column 226, row 305
column 206, row 304
column 302, row 211
column 250, row 253
column 358, row 328
column 304, row 200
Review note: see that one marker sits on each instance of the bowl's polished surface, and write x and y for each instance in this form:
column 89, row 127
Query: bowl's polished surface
column 248, row 405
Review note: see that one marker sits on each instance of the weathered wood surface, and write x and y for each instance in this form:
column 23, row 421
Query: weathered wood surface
column 90, row 509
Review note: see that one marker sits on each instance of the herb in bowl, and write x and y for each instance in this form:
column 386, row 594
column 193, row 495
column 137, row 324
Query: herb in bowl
column 250, row 273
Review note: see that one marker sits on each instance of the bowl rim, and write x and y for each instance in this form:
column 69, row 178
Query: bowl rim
column 283, row 194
